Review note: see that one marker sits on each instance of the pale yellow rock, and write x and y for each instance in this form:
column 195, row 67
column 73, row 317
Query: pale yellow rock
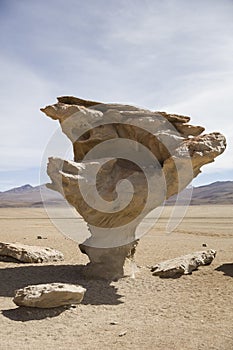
column 183, row 265
column 49, row 295
column 29, row 254
column 175, row 153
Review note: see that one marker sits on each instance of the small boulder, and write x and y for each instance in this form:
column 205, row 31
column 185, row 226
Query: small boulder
column 29, row 254
column 49, row 295
column 183, row 265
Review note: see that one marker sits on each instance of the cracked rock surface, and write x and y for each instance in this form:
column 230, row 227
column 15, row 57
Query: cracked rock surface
column 175, row 153
column 183, row 265
column 29, row 254
column 49, row 295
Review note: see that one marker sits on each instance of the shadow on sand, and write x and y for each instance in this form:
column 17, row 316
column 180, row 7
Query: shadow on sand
column 24, row 314
column 226, row 268
column 98, row 292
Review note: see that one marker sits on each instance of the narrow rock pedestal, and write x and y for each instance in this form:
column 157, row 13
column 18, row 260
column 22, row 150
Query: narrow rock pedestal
column 107, row 263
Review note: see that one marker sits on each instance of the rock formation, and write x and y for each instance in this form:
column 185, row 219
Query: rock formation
column 183, row 265
column 127, row 161
column 28, row 254
column 49, row 295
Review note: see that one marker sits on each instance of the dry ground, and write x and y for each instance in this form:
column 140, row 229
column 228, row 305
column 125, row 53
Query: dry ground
column 192, row 312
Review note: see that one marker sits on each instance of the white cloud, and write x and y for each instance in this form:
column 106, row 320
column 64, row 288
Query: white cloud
column 213, row 108
column 173, row 54
column 24, row 129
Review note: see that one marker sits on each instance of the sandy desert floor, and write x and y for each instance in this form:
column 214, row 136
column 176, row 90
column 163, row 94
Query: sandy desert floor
column 191, row 312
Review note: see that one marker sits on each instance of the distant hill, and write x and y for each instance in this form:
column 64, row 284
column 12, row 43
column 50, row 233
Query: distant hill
column 29, row 196
column 220, row 192
column 21, row 189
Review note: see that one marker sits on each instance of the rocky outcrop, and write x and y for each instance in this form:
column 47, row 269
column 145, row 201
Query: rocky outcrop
column 183, row 265
column 29, row 254
column 49, row 295
column 127, row 161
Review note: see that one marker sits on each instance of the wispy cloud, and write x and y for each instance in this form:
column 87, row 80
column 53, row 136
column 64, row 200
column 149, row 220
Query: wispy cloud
column 23, row 130
column 171, row 54
column 212, row 107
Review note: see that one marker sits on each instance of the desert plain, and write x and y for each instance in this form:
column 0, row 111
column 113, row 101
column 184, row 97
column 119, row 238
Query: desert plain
column 193, row 312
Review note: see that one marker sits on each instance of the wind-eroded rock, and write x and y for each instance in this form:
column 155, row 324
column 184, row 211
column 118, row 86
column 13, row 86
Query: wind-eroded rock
column 49, row 295
column 157, row 152
column 183, row 265
column 29, row 254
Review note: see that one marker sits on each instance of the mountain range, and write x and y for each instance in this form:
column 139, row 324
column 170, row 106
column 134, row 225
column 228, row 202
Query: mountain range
column 29, row 196
column 220, row 192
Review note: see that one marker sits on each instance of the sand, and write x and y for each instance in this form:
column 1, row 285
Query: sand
column 191, row 312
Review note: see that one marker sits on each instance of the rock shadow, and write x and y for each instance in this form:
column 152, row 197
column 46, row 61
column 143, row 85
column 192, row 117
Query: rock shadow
column 98, row 292
column 226, row 268
column 24, row 314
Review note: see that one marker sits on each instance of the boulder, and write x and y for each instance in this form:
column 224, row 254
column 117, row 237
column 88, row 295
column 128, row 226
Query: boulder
column 127, row 162
column 49, row 295
column 183, row 265
column 28, row 254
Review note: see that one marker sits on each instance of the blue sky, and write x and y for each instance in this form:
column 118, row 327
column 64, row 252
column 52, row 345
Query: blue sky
column 173, row 55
